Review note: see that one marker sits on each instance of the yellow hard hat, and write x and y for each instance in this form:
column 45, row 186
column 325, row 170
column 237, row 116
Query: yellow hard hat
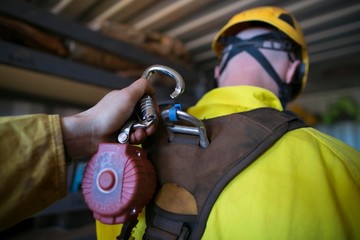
column 273, row 16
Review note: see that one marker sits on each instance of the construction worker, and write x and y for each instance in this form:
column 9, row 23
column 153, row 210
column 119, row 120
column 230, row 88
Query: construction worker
column 32, row 155
column 305, row 186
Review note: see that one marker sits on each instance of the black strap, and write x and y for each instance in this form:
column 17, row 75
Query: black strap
column 236, row 46
column 284, row 95
column 167, row 225
column 126, row 230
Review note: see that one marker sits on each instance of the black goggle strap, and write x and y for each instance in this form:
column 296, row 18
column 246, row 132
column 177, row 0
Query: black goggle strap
column 236, row 45
column 229, row 53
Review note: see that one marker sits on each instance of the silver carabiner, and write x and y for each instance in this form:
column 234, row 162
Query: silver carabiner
column 180, row 84
column 147, row 115
column 147, row 109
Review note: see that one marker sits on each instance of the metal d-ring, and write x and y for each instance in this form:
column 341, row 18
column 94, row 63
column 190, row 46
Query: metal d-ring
column 198, row 128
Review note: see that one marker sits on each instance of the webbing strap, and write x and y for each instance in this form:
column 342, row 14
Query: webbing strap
column 127, row 229
column 199, row 171
column 166, row 225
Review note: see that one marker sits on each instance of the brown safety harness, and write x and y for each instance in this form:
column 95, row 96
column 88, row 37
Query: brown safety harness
column 190, row 178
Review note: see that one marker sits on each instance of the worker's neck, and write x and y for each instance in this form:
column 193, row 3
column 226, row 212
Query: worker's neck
column 242, row 77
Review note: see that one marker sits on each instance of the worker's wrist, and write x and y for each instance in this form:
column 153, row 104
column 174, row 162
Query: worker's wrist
column 76, row 143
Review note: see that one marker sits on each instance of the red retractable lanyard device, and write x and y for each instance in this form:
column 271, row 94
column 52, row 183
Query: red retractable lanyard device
column 119, row 180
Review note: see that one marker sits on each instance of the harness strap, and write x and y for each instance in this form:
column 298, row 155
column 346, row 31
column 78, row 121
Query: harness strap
column 126, row 229
column 292, row 123
column 238, row 140
column 166, row 225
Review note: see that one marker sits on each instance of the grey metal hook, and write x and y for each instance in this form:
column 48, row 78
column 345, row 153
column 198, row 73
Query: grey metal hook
column 147, row 112
column 180, row 84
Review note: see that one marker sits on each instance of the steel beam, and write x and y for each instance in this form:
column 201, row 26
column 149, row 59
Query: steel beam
column 41, row 18
column 19, row 56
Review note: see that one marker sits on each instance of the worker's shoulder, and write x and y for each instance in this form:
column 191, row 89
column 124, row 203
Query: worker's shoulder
column 310, row 135
column 315, row 142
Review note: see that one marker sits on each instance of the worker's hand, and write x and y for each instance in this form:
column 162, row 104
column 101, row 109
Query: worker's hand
column 84, row 131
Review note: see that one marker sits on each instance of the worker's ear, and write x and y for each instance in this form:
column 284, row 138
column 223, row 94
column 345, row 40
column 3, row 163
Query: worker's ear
column 292, row 70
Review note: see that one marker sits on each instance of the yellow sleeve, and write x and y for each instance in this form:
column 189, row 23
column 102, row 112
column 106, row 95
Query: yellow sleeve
column 32, row 164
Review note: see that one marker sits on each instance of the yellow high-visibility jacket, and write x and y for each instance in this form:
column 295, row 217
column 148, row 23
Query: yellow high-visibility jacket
column 32, row 166
column 306, row 186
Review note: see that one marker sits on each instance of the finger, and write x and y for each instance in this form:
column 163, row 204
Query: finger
column 138, row 136
column 140, row 88
column 150, row 130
